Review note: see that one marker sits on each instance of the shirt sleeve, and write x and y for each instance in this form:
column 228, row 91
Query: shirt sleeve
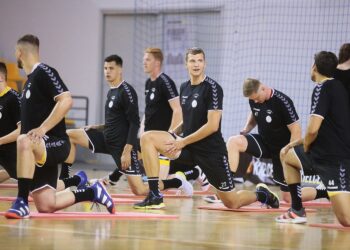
column 16, row 108
column 214, row 97
column 54, row 86
column 288, row 110
column 130, row 105
column 320, row 102
column 168, row 88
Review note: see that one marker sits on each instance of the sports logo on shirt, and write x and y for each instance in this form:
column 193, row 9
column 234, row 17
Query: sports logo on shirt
column 183, row 99
column 268, row 119
column 152, row 95
column 28, row 93
column 194, row 103
column 110, row 104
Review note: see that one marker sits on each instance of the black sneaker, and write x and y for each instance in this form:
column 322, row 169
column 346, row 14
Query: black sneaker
column 269, row 198
column 152, row 201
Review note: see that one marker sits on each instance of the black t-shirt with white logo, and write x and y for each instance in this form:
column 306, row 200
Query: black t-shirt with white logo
column 9, row 111
column 331, row 101
column 158, row 113
column 122, row 120
column 38, row 99
column 272, row 118
column 196, row 101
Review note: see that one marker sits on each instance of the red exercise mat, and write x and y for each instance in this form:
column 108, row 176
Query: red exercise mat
column 250, row 208
column 8, row 185
column 105, row 215
column 329, row 226
column 317, row 204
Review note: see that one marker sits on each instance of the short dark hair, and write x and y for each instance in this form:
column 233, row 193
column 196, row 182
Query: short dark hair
column 344, row 53
column 194, row 51
column 115, row 58
column 326, row 63
column 3, row 70
column 29, row 38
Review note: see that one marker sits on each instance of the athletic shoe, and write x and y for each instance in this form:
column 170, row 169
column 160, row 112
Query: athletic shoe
column 270, row 199
column 101, row 196
column 186, row 187
column 152, row 201
column 293, row 216
column 212, row 199
column 19, row 210
column 202, row 180
column 83, row 179
column 105, row 180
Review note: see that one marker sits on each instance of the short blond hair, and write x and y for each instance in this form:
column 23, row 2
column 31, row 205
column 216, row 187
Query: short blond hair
column 156, row 52
column 250, row 86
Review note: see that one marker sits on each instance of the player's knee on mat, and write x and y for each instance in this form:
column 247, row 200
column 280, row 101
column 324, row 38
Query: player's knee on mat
column 343, row 218
column 231, row 204
column 136, row 190
column 45, row 208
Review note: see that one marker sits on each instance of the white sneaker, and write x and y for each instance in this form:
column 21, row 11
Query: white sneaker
column 186, row 188
column 212, row 199
column 202, row 180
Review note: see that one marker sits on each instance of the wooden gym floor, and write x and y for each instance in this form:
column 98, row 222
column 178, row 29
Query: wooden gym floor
column 195, row 229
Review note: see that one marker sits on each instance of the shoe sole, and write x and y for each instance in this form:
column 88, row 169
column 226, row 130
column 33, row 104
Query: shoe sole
column 265, row 186
column 292, row 221
column 160, row 206
column 212, row 201
column 15, row 216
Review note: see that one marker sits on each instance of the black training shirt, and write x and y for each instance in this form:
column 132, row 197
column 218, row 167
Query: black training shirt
column 331, row 102
column 9, row 111
column 158, row 113
column 196, row 101
column 38, row 99
column 272, row 118
column 122, row 120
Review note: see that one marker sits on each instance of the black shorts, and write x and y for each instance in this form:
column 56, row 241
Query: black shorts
column 258, row 148
column 46, row 174
column 214, row 165
column 97, row 144
column 8, row 159
column 334, row 175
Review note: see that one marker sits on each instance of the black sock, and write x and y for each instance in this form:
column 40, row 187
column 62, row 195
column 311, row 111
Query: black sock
column 233, row 173
column 71, row 181
column 192, row 174
column 84, row 195
column 24, row 185
column 115, row 176
column 172, row 183
column 153, row 185
column 295, row 192
column 65, row 170
column 321, row 193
